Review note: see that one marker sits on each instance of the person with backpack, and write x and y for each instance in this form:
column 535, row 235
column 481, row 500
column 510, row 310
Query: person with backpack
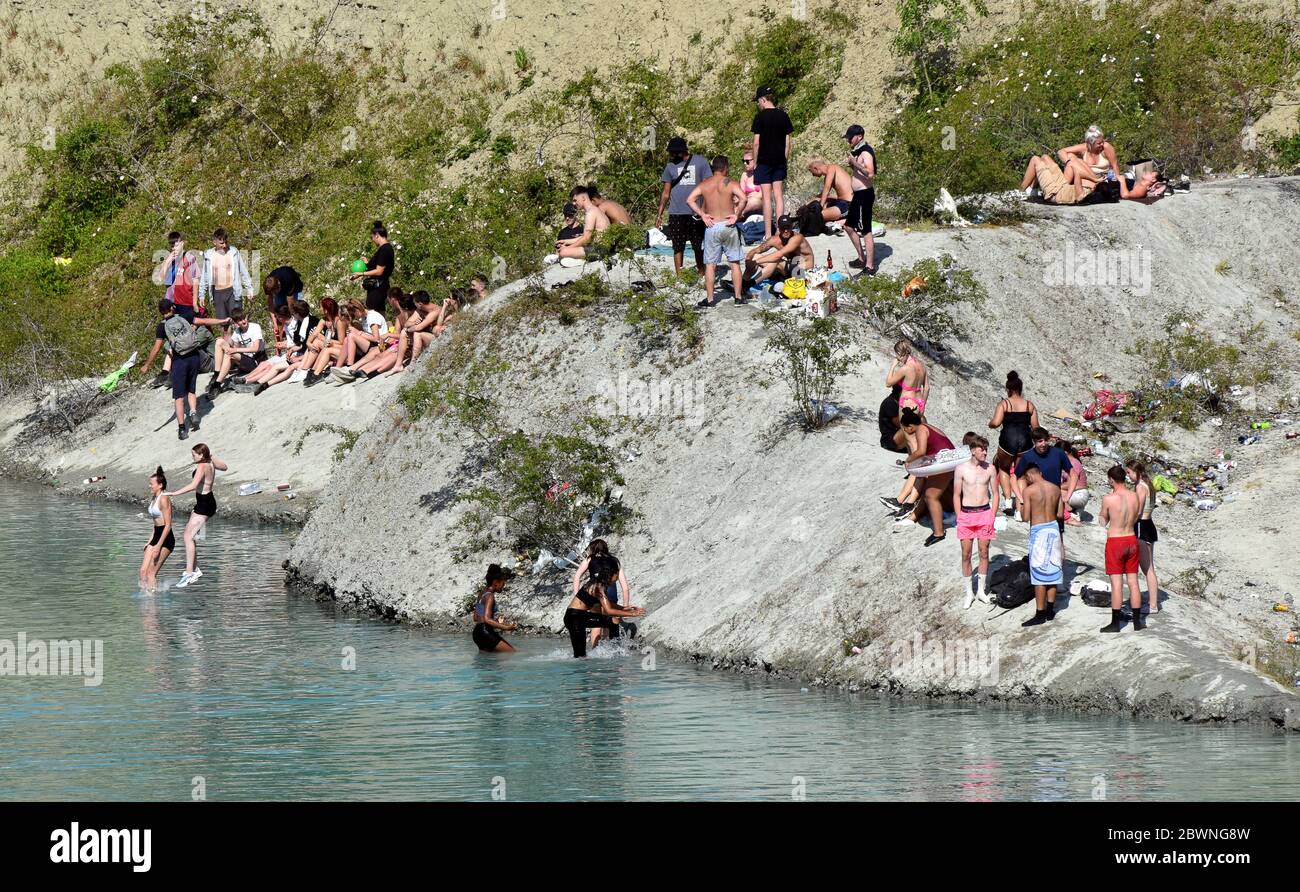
column 857, row 222
column 188, row 343
column 683, row 172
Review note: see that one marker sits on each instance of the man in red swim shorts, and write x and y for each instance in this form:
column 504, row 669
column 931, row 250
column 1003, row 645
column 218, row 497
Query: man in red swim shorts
column 1119, row 512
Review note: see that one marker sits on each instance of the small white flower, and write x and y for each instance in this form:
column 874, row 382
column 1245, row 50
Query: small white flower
column 194, row 99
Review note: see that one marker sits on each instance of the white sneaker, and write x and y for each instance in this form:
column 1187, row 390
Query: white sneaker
column 198, row 571
column 903, row 521
column 186, row 579
column 551, row 258
column 298, row 375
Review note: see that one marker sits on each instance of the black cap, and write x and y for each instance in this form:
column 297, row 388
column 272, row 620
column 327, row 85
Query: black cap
column 677, row 144
column 763, row 91
column 570, row 210
column 854, row 130
column 785, row 222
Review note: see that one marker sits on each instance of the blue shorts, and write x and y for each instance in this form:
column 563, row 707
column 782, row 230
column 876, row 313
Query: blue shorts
column 1045, row 554
column 842, row 204
column 768, row 173
column 185, row 374
column 612, row 593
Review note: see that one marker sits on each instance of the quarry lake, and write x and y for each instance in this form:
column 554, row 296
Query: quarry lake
column 237, row 688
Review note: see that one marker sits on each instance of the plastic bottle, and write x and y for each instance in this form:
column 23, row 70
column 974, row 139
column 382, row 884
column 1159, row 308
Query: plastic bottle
column 249, row 489
column 1205, row 504
column 95, row 479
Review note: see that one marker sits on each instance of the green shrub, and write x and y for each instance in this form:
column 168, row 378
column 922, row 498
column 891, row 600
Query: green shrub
column 810, row 357
column 667, row 309
column 928, row 313
column 1189, row 375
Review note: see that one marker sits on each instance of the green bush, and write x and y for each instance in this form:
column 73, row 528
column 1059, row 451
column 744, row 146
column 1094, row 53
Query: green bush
column 1189, row 375
column 1180, row 81
column 929, row 312
column 810, row 357
column 667, row 309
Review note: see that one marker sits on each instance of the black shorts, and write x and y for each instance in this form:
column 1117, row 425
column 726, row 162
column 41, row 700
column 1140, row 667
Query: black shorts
column 683, row 228
column 185, row 374
column 887, row 443
column 205, row 503
column 486, row 637
column 859, row 216
column 185, row 311
column 1145, row 530
column 377, row 298
column 840, row 204
column 168, row 541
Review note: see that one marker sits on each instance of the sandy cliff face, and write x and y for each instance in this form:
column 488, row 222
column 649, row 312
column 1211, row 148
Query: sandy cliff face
column 765, row 546
column 50, row 52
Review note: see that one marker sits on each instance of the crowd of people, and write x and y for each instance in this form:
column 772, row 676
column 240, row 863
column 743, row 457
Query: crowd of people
column 204, row 325
column 711, row 212
column 1032, row 478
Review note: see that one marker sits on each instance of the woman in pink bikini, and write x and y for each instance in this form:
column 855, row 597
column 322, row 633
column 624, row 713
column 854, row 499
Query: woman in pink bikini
column 908, row 372
column 753, row 193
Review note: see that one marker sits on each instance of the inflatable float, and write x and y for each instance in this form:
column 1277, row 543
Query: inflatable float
column 941, row 462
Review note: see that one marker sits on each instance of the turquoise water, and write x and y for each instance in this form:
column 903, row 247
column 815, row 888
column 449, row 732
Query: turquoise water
column 241, row 683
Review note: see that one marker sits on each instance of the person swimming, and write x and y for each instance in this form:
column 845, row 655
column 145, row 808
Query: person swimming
column 590, row 607
column 163, row 542
column 205, row 506
column 486, row 625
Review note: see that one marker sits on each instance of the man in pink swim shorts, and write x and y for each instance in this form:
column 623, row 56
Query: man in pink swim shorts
column 975, row 501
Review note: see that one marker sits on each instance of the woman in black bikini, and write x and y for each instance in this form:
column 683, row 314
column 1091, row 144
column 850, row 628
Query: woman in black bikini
column 205, row 505
column 1145, row 530
column 1016, row 416
column 163, row 542
column 486, row 624
column 597, row 552
column 590, row 607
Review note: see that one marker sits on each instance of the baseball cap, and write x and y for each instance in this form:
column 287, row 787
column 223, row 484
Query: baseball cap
column 785, row 222
column 677, row 144
column 570, row 210
column 763, row 91
column 854, row 130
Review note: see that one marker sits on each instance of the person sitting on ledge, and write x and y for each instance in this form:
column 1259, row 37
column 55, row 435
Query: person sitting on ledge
column 612, row 209
column 594, row 221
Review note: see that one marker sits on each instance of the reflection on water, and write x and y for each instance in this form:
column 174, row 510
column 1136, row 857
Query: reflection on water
column 243, row 684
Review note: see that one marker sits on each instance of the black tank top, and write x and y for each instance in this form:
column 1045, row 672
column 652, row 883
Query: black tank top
column 587, row 598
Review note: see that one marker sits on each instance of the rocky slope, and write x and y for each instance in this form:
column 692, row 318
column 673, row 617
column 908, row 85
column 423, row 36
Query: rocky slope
column 762, row 546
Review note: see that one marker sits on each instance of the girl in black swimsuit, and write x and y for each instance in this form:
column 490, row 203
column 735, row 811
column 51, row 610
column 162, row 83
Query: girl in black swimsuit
column 486, row 624
column 205, row 506
column 590, row 608
column 1016, row 416
column 162, row 542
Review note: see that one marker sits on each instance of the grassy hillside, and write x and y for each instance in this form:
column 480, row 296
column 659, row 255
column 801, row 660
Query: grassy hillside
column 294, row 147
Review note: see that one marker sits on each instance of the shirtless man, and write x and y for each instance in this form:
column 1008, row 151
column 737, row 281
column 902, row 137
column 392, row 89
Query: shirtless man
column 594, row 220
column 718, row 200
column 834, row 179
column 975, row 502
column 225, row 280
column 1042, row 501
column 857, row 221
column 783, row 255
column 612, row 209
column 1120, row 510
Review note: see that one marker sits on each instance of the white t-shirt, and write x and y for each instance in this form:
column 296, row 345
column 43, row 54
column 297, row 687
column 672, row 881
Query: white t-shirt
column 248, row 337
column 373, row 318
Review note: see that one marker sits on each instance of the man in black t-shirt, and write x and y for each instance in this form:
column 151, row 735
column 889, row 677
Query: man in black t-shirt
column 282, row 287
column 772, row 129
column 379, row 269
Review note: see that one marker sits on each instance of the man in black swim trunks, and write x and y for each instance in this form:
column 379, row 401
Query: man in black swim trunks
column 862, row 162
